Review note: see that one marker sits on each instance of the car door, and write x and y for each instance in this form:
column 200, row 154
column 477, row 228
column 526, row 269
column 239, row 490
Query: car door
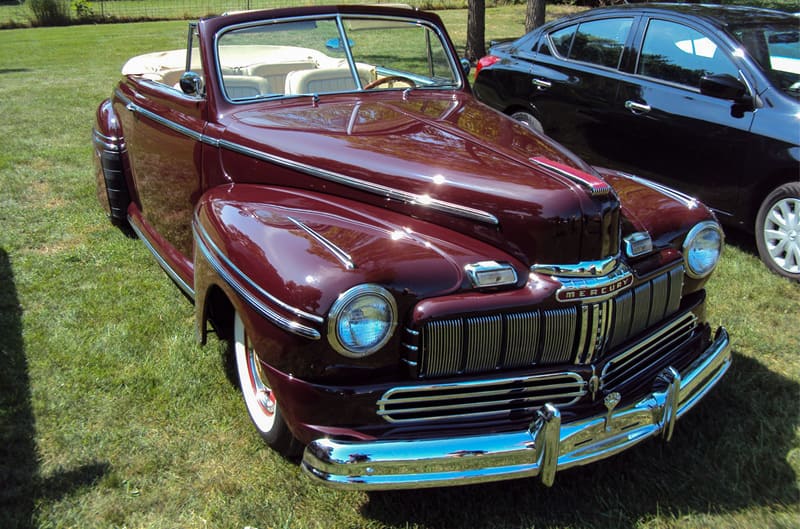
column 672, row 132
column 163, row 128
column 576, row 78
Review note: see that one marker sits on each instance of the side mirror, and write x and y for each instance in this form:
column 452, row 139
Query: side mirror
column 192, row 84
column 466, row 66
column 723, row 86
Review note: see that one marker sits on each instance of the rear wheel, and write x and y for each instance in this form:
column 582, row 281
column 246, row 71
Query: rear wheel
column 778, row 230
column 528, row 120
column 259, row 398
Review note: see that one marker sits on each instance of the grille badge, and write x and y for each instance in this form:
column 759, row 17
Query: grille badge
column 594, row 289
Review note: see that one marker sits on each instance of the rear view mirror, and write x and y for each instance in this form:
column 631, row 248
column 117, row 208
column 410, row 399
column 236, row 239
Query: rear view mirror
column 723, row 86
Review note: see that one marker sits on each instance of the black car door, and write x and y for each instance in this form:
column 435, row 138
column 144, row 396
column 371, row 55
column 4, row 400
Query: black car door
column 576, row 78
column 673, row 133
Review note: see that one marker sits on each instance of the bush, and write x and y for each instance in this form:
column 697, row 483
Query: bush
column 50, row 12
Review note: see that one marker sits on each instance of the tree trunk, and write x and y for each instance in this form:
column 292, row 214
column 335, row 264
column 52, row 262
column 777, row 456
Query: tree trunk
column 534, row 14
column 476, row 30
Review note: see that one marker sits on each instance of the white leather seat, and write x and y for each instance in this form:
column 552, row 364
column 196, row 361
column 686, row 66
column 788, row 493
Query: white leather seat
column 319, row 81
column 245, row 86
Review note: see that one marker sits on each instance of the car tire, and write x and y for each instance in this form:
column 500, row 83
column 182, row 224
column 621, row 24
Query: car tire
column 260, row 401
column 778, row 230
column 528, row 120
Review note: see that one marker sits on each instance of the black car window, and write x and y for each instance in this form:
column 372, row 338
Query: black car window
column 679, row 54
column 600, row 41
column 562, row 39
column 776, row 47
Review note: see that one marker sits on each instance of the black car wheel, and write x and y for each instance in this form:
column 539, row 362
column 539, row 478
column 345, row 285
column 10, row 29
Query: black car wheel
column 258, row 397
column 778, row 230
column 528, row 120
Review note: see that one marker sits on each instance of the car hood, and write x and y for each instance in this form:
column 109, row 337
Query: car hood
column 449, row 160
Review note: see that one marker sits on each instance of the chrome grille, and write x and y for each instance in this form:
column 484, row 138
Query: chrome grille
column 647, row 352
column 577, row 334
column 468, row 400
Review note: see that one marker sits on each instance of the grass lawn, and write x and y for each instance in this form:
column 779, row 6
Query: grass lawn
column 112, row 416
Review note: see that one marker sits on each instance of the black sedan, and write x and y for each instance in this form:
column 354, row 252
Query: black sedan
column 701, row 98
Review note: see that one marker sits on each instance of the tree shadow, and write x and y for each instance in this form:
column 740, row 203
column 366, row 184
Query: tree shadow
column 727, row 455
column 22, row 485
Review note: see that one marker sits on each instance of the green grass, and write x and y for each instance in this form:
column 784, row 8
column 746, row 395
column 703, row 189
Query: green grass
column 112, row 416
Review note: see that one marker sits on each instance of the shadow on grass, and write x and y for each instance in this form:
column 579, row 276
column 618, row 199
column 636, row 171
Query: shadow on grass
column 727, row 455
column 742, row 240
column 22, row 485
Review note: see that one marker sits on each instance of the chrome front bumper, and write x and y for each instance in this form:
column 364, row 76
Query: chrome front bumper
column 546, row 447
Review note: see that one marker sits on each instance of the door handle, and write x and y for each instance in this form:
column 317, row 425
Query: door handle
column 541, row 84
column 637, row 108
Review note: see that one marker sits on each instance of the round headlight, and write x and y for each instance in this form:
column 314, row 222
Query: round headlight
column 702, row 249
column 362, row 320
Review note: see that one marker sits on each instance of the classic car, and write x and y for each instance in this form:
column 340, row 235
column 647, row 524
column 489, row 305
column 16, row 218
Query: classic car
column 697, row 97
column 417, row 289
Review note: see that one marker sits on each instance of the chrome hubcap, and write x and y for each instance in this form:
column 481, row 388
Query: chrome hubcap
column 264, row 398
column 782, row 234
column 262, row 392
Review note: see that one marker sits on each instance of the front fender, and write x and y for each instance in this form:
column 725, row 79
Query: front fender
column 286, row 255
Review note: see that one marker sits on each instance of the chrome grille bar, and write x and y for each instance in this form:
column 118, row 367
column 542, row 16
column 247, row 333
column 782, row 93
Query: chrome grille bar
column 645, row 353
column 578, row 334
column 479, row 399
column 522, row 337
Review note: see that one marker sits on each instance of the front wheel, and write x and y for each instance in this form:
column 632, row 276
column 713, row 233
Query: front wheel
column 778, row 231
column 528, row 120
column 258, row 396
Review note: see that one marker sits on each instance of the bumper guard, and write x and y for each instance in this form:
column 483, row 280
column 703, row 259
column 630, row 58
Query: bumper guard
column 546, row 447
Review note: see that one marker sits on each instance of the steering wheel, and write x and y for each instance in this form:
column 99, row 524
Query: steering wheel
column 390, row 79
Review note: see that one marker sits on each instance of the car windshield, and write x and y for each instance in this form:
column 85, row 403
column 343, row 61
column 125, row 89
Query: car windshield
column 330, row 55
column 777, row 49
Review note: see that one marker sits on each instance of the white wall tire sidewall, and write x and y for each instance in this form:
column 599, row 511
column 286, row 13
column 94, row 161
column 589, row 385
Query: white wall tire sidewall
column 263, row 420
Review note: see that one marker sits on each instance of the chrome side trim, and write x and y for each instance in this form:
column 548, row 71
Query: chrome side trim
column 248, row 289
column 161, row 261
column 186, row 131
column 107, row 143
column 687, row 200
column 362, row 185
column 340, row 254
column 549, row 444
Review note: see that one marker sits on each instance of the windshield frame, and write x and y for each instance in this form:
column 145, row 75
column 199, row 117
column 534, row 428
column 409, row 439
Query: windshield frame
column 457, row 83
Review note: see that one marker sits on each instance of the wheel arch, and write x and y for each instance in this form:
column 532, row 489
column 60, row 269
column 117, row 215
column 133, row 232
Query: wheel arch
column 762, row 189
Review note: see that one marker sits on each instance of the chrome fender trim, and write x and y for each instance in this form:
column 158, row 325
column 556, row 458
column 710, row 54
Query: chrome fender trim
column 546, row 447
column 250, row 291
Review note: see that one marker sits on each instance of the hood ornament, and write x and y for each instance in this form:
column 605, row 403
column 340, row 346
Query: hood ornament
column 594, row 184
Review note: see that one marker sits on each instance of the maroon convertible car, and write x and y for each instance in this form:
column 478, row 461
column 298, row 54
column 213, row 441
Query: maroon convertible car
column 417, row 289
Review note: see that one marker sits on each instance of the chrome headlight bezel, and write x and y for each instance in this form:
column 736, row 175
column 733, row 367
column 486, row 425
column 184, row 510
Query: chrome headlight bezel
column 706, row 237
column 342, row 311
